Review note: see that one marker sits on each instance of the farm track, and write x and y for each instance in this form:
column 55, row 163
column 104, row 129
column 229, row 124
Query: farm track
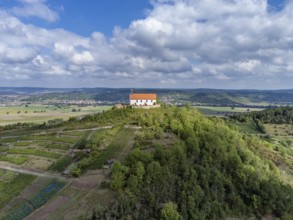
column 86, row 129
column 54, row 150
column 34, row 173
column 128, row 145
column 93, row 129
column 90, row 135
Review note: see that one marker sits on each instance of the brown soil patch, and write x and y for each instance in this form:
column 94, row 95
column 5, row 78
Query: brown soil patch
column 91, row 179
column 45, row 212
column 84, row 184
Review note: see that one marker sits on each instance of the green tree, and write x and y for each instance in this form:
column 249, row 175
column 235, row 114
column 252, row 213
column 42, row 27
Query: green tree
column 118, row 176
column 169, row 212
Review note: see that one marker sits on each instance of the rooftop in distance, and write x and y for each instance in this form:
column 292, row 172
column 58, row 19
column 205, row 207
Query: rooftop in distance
column 143, row 99
column 143, row 96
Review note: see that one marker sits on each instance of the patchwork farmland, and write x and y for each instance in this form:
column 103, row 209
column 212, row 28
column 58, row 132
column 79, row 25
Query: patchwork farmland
column 38, row 168
column 44, row 113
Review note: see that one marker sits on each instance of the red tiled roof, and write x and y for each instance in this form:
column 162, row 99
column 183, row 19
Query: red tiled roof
column 143, row 96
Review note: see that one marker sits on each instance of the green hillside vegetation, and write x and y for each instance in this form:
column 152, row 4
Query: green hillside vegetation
column 275, row 126
column 170, row 163
column 210, row 171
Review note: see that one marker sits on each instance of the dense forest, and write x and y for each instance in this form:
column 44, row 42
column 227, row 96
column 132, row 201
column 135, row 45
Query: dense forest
column 208, row 171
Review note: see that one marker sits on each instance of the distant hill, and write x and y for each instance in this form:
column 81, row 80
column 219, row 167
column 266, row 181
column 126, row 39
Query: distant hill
column 31, row 90
column 213, row 98
column 175, row 96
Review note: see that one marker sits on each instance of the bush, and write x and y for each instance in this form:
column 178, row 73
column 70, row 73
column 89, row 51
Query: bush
column 61, row 164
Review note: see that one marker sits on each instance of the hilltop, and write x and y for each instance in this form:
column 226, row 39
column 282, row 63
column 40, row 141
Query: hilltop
column 147, row 164
column 206, row 170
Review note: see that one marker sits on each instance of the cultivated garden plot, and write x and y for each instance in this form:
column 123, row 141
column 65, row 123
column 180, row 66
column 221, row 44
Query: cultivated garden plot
column 77, row 199
column 35, row 150
column 58, row 149
column 25, row 194
column 11, row 184
column 55, row 151
column 25, row 208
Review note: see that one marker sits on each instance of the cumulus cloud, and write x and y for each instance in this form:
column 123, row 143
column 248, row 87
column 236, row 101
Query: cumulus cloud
column 35, row 8
column 84, row 57
column 16, row 55
column 180, row 43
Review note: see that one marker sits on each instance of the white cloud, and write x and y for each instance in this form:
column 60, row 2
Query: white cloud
column 62, row 50
column 35, row 8
column 16, row 55
column 38, row 61
column 84, row 57
column 248, row 65
column 180, row 43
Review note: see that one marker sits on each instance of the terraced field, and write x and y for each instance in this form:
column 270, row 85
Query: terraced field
column 11, row 184
column 26, row 207
column 45, row 148
column 38, row 159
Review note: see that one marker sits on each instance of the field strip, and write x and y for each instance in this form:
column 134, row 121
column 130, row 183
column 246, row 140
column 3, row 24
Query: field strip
column 93, row 129
column 86, row 129
column 34, row 173
column 133, row 127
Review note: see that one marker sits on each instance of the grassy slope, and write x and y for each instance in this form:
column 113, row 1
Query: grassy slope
column 118, row 149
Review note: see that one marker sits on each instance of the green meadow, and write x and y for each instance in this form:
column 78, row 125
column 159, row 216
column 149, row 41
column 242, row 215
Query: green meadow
column 43, row 113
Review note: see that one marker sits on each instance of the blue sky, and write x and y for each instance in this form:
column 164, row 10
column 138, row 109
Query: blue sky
column 101, row 15
column 142, row 43
column 86, row 17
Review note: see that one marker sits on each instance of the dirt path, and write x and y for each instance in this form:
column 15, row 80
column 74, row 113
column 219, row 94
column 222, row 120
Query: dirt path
column 94, row 129
column 35, row 173
column 86, row 129
column 133, row 127
column 128, row 145
column 90, row 135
